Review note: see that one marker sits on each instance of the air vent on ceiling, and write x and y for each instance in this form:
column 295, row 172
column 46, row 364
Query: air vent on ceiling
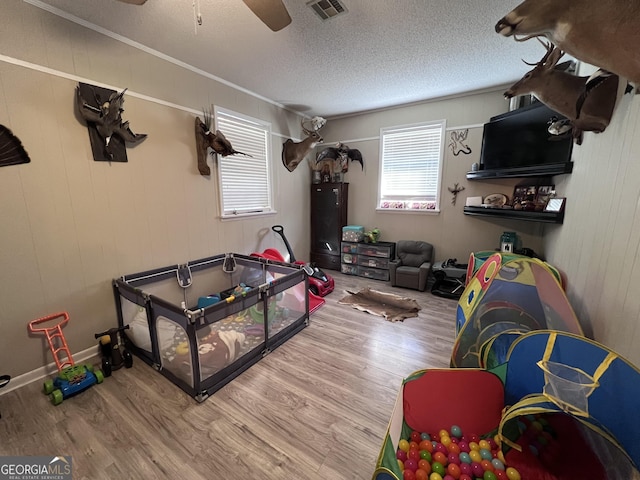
column 327, row 9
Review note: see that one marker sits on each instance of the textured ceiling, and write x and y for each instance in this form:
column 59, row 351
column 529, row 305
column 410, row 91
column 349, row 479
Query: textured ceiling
column 379, row 54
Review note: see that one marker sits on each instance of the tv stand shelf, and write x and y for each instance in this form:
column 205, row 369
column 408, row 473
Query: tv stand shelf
column 510, row 214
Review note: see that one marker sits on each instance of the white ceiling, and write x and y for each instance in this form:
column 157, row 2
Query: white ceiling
column 380, row 53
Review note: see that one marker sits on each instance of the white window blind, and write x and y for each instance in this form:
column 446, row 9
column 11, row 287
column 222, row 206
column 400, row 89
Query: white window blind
column 411, row 158
column 245, row 182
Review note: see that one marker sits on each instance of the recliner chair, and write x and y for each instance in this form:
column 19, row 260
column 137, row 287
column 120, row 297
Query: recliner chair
column 412, row 266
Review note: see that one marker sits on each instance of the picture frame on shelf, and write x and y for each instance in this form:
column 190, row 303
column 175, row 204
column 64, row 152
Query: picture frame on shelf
column 545, row 192
column 555, row 204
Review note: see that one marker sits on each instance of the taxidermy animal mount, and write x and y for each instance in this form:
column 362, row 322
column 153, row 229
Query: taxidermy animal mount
column 587, row 102
column 206, row 139
column 603, row 33
column 293, row 153
column 102, row 110
column 342, row 153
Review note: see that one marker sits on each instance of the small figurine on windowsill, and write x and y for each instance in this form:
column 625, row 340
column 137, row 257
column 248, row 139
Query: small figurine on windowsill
column 372, row 236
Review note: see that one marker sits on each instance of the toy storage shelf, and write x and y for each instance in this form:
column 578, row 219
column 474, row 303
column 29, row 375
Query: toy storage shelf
column 368, row 260
column 510, row 214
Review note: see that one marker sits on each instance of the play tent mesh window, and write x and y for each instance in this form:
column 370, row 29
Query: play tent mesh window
column 411, row 166
column 245, row 182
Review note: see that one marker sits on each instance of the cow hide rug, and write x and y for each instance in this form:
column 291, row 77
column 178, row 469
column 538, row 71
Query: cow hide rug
column 392, row 307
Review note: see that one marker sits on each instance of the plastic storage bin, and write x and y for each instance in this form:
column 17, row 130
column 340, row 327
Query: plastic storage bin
column 352, row 233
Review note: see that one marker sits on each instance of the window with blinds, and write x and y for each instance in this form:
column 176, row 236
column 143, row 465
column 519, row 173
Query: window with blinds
column 411, row 166
column 245, row 182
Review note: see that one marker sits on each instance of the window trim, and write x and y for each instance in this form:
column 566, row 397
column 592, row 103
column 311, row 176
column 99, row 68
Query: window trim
column 270, row 209
column 441, row 157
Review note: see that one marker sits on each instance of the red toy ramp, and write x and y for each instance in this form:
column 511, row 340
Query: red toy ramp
column 315, row 302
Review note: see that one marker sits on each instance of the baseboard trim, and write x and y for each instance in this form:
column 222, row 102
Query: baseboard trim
column 47, row 370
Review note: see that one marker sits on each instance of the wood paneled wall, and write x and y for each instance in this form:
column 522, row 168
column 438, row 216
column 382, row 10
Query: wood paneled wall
column 598, row 246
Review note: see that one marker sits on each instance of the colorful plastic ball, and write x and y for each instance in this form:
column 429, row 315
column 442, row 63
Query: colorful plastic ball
column 453, row 470
column 464, row 476
column 443, row 433
column 401, row 465
column 501, row 457
column 435, row 437
column 464, row 446
column 512, row 473
column 426, row 445
column 484, row 444
column 487, row 465
column 493, row 444
column 410, row 464
column 465, row 468
column 497, row 464
column 448, row 477
column 441, row 448
column 446, row 441
column 413, row 445
column 440, row 458
column 501, row 475
column 455, row 439
column 453, row 448
column 421, row 475
column 424, row 465
column 536, row 425
column 474, row 438
column 476, row 468
column 414, row 455
column 456, row 431
column 453, row 458
column 435, row 476
column 475, row 456
column 425, row 455
column 474, row 446
column 425, row 436
column 464, row 457
column 485, row 454
column 489, row 475
column 401, row 455
column 415, row 437
column 403, row 445
column 438, row 468
column 408, row 475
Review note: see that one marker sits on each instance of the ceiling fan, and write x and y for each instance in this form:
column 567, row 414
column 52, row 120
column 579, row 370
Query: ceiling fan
column 273, row 13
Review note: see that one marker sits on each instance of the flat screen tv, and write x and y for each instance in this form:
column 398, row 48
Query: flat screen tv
column 518, row 143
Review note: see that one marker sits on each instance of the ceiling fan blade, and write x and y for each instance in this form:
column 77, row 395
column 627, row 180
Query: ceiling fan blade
column 272, row 12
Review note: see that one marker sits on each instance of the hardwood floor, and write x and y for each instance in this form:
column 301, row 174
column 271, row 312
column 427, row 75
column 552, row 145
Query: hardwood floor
column 315, row 408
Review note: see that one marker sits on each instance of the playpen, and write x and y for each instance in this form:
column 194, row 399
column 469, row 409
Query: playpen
column 202, row 323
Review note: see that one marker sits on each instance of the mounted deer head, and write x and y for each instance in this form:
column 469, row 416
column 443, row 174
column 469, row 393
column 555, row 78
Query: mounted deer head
column 588, row 105
column 293, row 153
column 603, row 33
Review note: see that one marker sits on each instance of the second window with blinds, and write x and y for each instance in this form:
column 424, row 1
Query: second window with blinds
column 411, row 167
column 245, row 181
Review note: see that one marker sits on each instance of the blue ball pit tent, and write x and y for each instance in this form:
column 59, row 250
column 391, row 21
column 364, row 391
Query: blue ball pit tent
column 551, row 372
column 507, row 296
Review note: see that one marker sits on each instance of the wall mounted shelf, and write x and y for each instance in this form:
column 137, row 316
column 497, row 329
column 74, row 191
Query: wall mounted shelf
column 510, row 214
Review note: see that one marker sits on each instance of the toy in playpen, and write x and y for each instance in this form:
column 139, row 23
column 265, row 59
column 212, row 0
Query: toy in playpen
column 71, row 378
column 114, row 354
